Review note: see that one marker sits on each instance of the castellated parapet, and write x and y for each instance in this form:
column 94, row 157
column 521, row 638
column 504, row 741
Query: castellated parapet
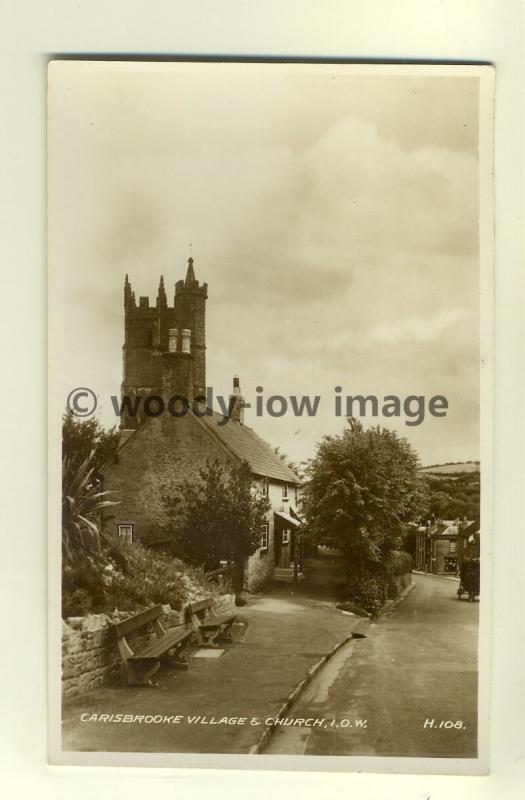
column 164, row 348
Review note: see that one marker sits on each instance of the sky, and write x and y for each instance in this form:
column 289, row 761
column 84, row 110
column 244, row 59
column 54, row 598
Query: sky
column 333, row 214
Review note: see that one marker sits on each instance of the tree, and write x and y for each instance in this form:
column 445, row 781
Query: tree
column 83, row 439
column 451, row 497
column 217, row 517
column 364, row 488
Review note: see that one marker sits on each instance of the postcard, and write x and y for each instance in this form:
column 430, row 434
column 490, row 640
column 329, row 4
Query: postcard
column 270, row 393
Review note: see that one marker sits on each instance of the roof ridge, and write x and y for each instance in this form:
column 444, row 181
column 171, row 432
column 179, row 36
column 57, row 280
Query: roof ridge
column 215, row 413
column 222, row 432
column 239, row 441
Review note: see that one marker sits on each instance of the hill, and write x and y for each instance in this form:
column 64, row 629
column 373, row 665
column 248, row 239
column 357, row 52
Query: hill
column 450, row 469
column 453, row 492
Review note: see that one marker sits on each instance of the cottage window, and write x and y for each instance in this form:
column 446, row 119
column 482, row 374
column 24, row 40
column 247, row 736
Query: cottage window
column 126, row 532
column 295, row 494
column 286, row 537
column 452, row 546
column 285, row 491
column 265, row 487
column 264, row 537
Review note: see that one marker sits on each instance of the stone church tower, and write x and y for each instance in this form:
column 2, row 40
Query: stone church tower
column 164, row 350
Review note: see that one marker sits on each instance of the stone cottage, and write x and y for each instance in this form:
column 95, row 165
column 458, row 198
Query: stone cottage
column 168, row 432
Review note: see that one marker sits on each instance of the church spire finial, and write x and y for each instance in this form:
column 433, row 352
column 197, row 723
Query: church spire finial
column 190, row 274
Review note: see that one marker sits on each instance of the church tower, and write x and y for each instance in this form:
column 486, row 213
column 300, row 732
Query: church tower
column 164, row 350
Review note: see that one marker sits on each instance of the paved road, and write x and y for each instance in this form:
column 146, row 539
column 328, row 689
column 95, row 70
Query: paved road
column 418, row 663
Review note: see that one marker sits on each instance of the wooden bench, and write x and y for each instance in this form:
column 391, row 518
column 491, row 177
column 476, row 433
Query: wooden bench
column 144, row 663
column 209, row 626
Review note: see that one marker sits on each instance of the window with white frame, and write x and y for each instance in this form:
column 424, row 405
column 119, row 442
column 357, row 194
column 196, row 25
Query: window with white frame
column 264, row 537
column 452, row 546
column 265, row 487
column 286, row 537
column 125, row 531
column 285, row 491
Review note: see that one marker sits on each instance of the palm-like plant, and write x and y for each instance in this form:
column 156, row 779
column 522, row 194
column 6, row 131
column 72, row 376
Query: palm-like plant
column 82, row 503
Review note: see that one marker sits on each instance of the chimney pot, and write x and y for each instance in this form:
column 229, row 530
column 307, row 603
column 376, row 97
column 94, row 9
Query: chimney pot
column 172, row 340
column 186, row 340
column 236, row 402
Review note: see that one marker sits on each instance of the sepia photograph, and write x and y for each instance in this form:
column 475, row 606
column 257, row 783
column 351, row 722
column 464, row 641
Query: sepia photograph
column 270, row 387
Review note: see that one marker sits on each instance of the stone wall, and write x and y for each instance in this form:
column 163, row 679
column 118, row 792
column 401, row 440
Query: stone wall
column 90, row 656
column 259, row 567
column 402, row 581
column 152, row 465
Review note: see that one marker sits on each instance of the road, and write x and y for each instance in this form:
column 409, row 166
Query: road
column 408, row 689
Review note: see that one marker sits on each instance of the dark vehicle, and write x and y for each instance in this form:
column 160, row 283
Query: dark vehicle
column 469, row 579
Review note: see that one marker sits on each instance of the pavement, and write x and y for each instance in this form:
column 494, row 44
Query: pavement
column 220, row 704
column 375, row 695
column 409, row 689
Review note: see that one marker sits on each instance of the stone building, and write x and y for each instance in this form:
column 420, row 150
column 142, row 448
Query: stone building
column 441, row 545
column 168, row 433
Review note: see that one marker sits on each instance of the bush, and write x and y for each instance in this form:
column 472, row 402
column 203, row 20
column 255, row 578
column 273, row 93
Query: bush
column 371, row 589
column 369, row 592
column 399, row 562
column 126, row 577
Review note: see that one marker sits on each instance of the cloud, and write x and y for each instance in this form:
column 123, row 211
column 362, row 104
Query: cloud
column 418, row 329
column 335, row 222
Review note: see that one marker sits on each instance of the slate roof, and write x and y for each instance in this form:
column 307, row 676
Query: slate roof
column 470, row 529
column 244, row 443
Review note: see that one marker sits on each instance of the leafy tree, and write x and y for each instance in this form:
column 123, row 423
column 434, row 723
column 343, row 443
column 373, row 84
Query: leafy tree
column 439, row 504
column 218, row 517
column 81, row 438
column 364, row 488
column 451, row 497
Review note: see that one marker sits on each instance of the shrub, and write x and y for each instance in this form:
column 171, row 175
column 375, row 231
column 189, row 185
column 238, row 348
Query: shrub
column 371, row 588
column 81, row 507
column 369, row 592
column 127, row 577
column 399, row 562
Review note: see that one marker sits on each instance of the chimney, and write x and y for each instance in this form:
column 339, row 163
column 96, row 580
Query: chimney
column 186, row 340
column 172, row 340
column 236, row 405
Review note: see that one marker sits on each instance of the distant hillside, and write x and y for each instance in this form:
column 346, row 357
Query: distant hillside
column 454, row 490
column 449, row 469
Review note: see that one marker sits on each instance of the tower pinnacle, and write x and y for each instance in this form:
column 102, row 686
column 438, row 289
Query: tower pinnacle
column 162, row 300
column 129, row 296
column 190, row 274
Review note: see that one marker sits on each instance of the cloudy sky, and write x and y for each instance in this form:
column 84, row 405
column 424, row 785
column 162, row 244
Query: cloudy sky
column 333, row 214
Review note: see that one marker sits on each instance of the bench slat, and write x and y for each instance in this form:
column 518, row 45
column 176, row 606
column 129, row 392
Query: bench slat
column 138, row 620
column 200, row 605
column 161, row 646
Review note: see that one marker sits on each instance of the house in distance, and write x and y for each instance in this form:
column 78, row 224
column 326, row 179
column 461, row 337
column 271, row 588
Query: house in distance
column 164, row 356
